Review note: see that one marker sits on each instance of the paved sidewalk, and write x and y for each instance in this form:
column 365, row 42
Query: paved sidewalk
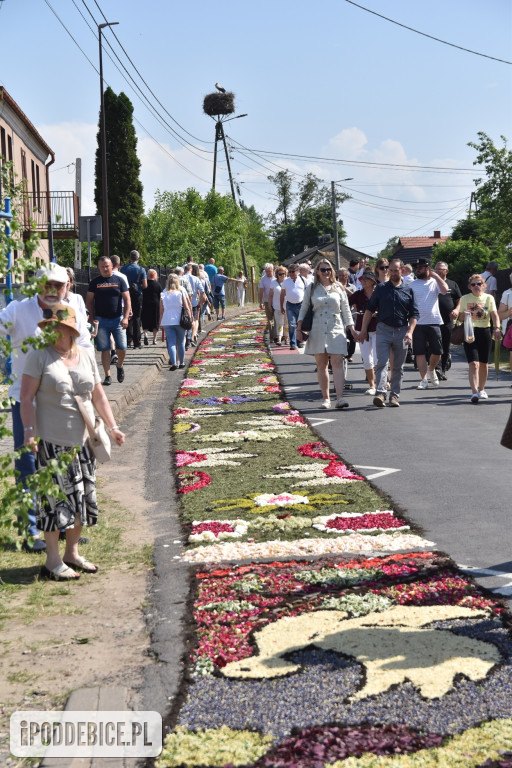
column 142, row 369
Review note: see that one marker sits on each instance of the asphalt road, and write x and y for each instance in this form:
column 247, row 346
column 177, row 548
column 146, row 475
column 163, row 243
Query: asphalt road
column 445, row 467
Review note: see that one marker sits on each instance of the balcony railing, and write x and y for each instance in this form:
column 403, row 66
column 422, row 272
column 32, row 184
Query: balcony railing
column 64, row 213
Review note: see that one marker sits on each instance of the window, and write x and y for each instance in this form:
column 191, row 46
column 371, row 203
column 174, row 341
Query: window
column 38, row 189
column 33, row 173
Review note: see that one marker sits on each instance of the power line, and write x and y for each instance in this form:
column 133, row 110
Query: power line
column 424, row 34
column 363, row 163
column 154, row 112
column 134, row 118
column 149, row 89
column 410, row 202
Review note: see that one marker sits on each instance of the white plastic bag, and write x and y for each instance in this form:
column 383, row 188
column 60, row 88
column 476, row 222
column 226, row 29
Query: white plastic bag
column 469, row 333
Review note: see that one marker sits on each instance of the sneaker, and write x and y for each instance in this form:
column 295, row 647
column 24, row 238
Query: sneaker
column 173, row 367
column 371, row 391
column 120, row 374
column 37, row 546
column 107, row 381
column 394, row 402
column 341, row 403
column 474, row 399
column 146, row 342
column 300, row 344
column 325, row 404
column 423, row 384
column 277, row 343
column 113, row 356
column 379, row 401
column 434, row 381
column 181, row 365
column 293, row 346
column 483, row 395
column 441, row 375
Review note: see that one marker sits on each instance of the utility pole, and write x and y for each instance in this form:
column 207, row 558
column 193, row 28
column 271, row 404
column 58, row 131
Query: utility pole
column 78, row 192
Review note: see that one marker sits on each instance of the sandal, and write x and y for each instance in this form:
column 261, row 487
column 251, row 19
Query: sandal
column 82, row 565
column 61, row 572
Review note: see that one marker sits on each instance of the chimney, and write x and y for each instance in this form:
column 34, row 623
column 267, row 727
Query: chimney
column 437, row 233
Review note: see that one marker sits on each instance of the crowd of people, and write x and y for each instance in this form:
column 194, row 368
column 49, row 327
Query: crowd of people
column 390, row 310
column 395, row 311
column 56, row 386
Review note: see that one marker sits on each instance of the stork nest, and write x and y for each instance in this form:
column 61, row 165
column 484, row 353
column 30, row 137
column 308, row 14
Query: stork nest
column 219, row 103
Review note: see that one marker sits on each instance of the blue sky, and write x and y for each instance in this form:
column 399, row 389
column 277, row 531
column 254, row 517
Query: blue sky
column 324, row 79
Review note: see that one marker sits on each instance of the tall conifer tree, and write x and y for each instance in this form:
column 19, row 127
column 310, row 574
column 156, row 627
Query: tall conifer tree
column 125, row 205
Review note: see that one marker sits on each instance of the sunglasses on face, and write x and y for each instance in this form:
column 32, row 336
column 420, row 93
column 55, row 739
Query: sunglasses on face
column 60, row 314
column 386, row 266
column 52, row 284
column 324, row 269
column 473, row 285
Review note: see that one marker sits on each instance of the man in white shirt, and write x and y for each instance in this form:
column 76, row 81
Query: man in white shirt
column 264, row 288
column 491, row 284
column 19, row 320
column 292, row 292
column 426, row 288
column 305, row 273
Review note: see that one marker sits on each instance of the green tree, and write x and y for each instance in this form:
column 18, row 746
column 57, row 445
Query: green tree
column 494, row 192
column 259, row 246
column 125, row 205
column 302, row 215
column 181, row 224
column 464, row 257
column 389, row 249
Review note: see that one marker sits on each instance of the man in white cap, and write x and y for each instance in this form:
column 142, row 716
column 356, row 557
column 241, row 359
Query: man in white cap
column 19, row 320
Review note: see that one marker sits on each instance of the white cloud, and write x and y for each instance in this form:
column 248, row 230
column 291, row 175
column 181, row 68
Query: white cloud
column 366, row 220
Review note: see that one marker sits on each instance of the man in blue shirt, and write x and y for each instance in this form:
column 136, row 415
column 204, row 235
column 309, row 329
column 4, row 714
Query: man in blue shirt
column 397, row 315
column 210, row 269
column 137, row 280
column 219, row 294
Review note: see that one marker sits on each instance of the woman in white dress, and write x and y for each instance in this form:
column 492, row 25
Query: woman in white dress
column 274, row 299
column 240, row 288
column 328, row 337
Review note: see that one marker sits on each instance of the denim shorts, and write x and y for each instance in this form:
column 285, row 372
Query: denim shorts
column 219, row 300
column 109, row 326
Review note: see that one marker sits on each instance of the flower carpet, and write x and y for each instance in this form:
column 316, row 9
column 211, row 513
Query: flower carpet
column 325, row 629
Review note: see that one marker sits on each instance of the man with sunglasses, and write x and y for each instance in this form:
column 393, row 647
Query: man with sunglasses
column 20, row 320
column 427, row 334
column 292, row 293
column 397, row 314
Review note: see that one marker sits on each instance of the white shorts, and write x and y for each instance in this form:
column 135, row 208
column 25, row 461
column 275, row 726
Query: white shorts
column 368, row 351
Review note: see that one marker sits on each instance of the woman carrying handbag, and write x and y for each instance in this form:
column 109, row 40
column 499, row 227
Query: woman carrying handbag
column 173, row 300
column 52, row 377
column 328, row 336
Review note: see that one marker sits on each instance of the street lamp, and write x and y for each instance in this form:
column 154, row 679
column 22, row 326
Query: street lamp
column 335, row 221
column 104, row 185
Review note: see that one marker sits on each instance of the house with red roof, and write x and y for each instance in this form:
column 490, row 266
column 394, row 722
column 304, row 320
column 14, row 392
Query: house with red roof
column 412, row 249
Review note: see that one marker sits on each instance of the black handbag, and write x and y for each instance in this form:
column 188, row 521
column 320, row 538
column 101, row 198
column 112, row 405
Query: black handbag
column 307, row 320
column 185, row 320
